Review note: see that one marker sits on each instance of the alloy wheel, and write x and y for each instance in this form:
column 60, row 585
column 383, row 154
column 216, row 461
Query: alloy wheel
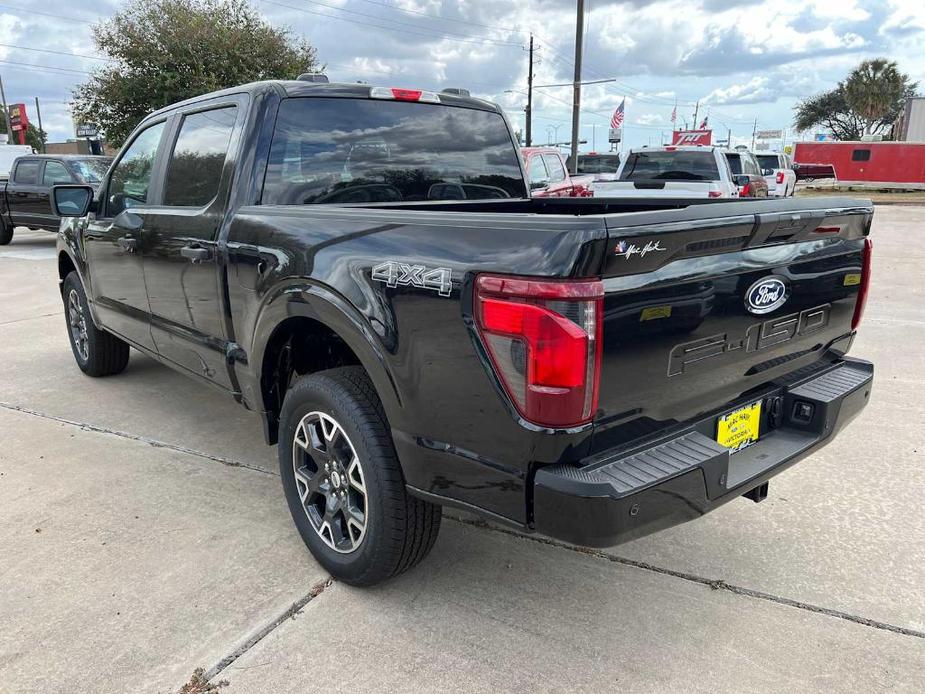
column 77, row 322
column 329, row 478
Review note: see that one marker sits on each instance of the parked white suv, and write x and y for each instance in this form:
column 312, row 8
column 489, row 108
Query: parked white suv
column 777, row 168
column 671, row 172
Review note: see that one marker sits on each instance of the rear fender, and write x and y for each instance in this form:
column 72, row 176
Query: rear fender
column 327, row 307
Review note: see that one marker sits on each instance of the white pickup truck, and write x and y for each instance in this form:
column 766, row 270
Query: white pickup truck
column 672, row 172
column 778, row 172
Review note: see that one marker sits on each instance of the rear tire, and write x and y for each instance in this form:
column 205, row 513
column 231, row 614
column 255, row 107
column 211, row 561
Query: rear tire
column 6, row 233
column 96, row 352
column 343, row 481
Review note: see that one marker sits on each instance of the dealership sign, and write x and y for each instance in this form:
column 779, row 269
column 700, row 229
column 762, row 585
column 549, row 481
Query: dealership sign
column 86, row 131
column 692, row 137
column 19, row 121
column 769, row 134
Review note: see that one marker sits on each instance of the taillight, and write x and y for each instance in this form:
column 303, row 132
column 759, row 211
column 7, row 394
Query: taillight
column 544, row 340
column 746, row 190
column 865, row 285
column 780, row 176
column 715, row 194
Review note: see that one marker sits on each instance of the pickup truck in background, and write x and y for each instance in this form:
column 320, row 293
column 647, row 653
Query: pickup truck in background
column 25, row 198
column 589, row 369
column 549, row 177
column 777, row 168
column 676, row 172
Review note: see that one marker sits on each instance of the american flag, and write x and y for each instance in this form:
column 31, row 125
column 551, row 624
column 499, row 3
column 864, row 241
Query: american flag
column 617, row 119
column 703, row 126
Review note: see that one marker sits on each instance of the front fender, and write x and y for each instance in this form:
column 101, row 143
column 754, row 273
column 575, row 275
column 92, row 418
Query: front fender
column 68, row 244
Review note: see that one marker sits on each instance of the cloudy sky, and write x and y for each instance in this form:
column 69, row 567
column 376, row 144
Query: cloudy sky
column 742, row 61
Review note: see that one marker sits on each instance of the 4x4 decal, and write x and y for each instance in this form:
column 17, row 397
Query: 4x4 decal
column 394, row 274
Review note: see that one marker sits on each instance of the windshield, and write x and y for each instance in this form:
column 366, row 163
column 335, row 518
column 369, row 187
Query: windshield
column 598, row 163
column 91, row 170
column 768, row 161
column 364, row 150
column 670, row 166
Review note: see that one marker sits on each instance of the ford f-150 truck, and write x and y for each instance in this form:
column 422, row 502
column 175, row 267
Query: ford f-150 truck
column 25, row 198
column 589, row 369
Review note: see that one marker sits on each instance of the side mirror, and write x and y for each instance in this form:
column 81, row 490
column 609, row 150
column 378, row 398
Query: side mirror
column 767, row 172
column 71, row 200
column 741, row 180
column 539, row 185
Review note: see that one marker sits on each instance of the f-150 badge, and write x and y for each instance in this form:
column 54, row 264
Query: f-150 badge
column 627, row 250
column 393, row 273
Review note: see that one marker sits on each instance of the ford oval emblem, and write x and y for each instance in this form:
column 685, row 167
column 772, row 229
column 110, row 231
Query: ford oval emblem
column 766, row 295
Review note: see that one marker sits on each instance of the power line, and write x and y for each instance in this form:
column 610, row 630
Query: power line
column 46, row 68
column 395, row 21
column 422, row 31
column 25, row 11
column 49, row 50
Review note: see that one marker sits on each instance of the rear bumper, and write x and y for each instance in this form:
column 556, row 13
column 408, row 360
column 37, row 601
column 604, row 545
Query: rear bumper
column 617, row 498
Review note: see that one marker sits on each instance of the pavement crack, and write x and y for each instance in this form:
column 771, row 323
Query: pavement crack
column 714, row 584
column 136, row 437
column 21, row 320
column 255, row 638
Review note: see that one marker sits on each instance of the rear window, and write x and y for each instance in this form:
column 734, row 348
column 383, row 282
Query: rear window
column 768, row 161
column 670, row 166
column 860, row 155
column 598, row 163
column 359, row 150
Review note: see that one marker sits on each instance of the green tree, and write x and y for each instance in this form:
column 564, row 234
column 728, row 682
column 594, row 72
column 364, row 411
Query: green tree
column 164, row 51
column 868, row 101
column 34, row 137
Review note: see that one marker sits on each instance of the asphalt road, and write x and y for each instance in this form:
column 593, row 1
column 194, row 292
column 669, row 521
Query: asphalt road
column 144, row 535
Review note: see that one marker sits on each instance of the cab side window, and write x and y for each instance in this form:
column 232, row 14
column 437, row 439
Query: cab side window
column 539, row 176
column 55, row 173
column 131, row 179
column 27, row 172
column 195, row 167
column 556, row 170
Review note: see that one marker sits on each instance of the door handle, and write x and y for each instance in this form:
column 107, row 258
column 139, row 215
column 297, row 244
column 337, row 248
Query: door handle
column 128, row 243
column 196, row 254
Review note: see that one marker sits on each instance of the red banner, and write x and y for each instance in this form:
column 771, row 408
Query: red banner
column 692, row 137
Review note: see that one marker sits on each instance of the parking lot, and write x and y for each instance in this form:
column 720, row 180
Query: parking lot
column 145, row 535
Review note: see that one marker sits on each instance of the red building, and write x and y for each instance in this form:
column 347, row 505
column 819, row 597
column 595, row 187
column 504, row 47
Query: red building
column 867, row 162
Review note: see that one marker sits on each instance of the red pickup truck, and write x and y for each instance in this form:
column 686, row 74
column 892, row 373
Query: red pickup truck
column 549, row 177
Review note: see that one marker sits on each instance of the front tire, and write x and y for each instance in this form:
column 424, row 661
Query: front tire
column 343, row 481
column 6, row 233
column 96, row 352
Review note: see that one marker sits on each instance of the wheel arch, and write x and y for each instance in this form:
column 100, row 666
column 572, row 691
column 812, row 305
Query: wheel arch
column 309, row 328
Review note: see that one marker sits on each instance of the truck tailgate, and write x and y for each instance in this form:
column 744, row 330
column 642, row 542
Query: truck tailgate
column 701, row 311
column 655, row 189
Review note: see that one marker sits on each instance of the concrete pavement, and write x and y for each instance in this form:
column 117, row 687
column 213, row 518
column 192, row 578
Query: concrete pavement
column 818, row 588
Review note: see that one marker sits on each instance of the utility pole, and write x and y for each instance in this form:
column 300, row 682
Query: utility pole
column 754, row 132
column 576, row 86
column 38, row 113
column 696, row 111
column 728, row 138
column 6, row 114
column 529, row 108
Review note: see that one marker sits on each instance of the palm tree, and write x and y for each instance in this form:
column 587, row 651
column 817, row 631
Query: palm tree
column 873, row 89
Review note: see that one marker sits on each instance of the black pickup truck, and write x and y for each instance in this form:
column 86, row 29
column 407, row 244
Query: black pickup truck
column 24, row 198
column 593, row 370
